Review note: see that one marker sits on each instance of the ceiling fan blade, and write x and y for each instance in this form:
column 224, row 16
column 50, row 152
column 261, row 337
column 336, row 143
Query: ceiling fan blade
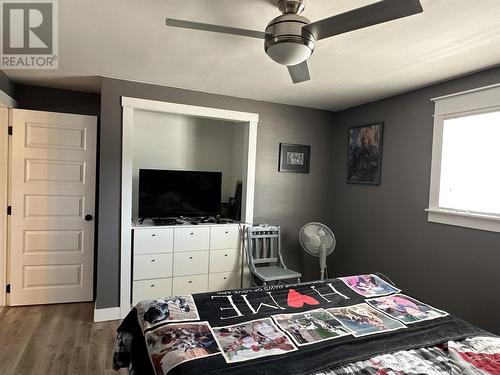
column 299, row 73
column 214, row 28
column 369, row 15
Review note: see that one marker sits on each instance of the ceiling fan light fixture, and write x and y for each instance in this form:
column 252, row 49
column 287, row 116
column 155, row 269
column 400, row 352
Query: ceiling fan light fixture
column 289, row 52
column 287, row 42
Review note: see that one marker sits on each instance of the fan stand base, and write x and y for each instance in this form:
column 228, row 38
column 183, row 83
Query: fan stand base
column 292, row 6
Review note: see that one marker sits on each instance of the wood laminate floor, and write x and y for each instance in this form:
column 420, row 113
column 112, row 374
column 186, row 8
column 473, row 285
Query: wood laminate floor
column 56, row 340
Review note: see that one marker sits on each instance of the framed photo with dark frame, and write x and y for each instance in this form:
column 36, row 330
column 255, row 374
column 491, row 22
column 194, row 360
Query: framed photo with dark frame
column 364, row 154
column 294, row 158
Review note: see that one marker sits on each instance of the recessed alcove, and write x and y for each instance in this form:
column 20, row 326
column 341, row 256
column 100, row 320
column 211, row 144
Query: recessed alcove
column 178, row 142
column 162, row 135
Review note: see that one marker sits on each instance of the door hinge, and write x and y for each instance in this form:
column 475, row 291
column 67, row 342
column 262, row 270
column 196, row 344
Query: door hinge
column 7, row 289
column 10, row 129
column 9, row 210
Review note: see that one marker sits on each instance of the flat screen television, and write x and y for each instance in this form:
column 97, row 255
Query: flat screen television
column 167, row 193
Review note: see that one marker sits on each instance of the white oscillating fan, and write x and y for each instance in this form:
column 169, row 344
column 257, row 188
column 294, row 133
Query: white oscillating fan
column 319, row 241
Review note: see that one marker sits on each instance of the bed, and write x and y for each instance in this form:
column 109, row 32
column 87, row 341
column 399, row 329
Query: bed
column 359, row 324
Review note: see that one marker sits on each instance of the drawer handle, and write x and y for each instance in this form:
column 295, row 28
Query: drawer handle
column 225, row 255
column 191, row 233
column 226, row 232
column 190, row 257
column 189, row 282
column 225, row 278
column 152, row 286
column 153, row 235
column 152, row 260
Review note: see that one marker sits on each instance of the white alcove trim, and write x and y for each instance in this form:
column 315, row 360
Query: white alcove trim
column 129, row 106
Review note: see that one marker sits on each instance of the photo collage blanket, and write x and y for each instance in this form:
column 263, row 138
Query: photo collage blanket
column 289, row 329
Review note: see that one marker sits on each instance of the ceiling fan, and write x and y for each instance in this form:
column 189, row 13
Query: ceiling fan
column 290, row 38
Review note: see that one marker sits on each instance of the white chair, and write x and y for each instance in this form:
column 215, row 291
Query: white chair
column 263, row 250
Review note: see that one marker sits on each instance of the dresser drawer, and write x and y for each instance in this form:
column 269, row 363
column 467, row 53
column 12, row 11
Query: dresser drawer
column 225, row 237
column 224, row 280
column 151, row 289
column 150, row 241
column 152, row 266
column 190, row 284
column 191, row 239
column 190, row 263
column 225, row 260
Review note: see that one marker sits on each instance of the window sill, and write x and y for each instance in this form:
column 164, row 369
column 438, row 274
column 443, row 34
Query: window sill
column 489, row 223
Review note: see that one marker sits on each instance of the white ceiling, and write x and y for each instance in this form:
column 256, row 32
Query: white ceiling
column 128, row 39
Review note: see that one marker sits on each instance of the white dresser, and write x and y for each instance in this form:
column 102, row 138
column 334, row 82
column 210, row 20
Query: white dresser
column 185, row 259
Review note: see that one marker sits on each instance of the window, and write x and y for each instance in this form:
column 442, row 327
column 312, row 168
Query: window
column 465, row 177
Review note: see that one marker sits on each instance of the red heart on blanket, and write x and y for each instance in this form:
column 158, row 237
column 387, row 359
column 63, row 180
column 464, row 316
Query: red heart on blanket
column 297, row 300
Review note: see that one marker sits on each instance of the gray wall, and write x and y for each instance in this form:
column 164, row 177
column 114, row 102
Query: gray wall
column 287, row 199
column 56, row 100
column 41, row 98
column 384, row 228
column 6, row 84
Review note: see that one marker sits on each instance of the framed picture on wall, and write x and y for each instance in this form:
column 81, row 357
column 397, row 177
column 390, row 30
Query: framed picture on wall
column 294, row 158
column 364, row 154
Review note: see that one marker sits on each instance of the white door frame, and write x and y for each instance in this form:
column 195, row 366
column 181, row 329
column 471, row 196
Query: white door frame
column 130, row 105
column 6, row 102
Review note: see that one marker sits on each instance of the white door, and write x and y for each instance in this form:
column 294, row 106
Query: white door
column 52, row 195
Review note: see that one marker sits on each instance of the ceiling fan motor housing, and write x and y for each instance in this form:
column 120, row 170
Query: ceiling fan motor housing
column 287, row 42
column 291, row 6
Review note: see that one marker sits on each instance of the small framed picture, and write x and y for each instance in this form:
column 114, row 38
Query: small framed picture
column 364, row 154
column 294, row 158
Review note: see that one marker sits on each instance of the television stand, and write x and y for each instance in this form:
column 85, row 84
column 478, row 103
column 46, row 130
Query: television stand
column 166, row 221
column 184, row 220
column 224, row 220
column 207, row 220
column 175, row 260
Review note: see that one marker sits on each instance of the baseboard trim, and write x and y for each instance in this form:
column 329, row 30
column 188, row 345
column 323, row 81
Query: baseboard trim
column 103, row 315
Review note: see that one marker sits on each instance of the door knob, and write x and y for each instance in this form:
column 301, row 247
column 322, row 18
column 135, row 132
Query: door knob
column 88, row 217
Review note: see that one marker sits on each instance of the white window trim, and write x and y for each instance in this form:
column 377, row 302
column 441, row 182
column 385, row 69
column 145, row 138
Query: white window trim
column 476, row 101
